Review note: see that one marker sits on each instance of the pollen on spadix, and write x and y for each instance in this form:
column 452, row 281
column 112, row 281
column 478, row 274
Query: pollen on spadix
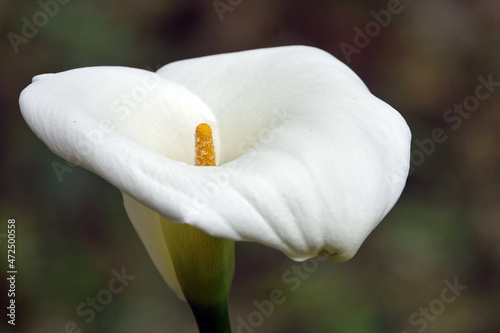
column 204, row 146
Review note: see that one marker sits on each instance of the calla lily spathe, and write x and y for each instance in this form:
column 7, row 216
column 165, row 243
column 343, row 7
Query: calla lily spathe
column 309, row 160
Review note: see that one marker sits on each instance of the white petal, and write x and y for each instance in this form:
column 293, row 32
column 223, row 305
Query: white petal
column 310, row 160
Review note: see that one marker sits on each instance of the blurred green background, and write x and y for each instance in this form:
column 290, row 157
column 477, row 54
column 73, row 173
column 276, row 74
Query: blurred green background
column 72, row 234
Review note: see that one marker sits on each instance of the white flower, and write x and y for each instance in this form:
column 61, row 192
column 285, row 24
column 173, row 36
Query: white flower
column 309, row 160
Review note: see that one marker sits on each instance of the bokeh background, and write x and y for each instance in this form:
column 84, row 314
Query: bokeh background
column 72, row 234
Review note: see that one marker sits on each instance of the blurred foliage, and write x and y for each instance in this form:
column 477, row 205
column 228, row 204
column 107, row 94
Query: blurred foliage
column 72, row 234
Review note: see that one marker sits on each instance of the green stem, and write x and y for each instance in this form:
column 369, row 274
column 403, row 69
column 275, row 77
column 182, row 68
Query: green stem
column 204, row 266
column 212, row 319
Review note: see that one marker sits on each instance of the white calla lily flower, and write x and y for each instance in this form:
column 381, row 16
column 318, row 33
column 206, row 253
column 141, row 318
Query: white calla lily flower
column 309, row 161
